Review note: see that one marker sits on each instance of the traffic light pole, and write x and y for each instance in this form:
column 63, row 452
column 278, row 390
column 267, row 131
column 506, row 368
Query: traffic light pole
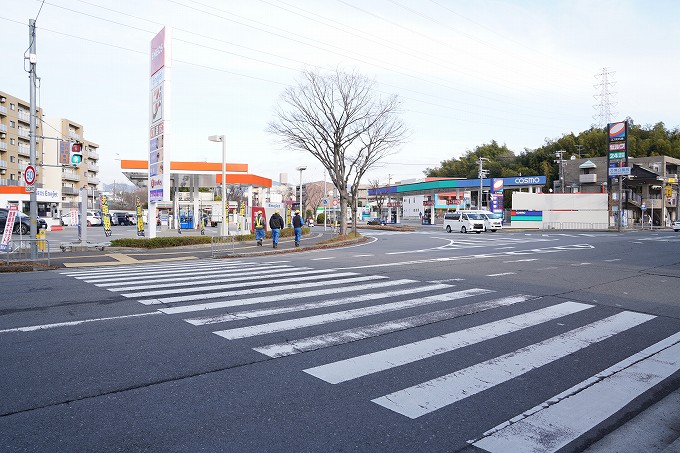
column 33, row 153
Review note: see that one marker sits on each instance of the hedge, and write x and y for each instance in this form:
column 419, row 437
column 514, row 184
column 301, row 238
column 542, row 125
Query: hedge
column 178, row 241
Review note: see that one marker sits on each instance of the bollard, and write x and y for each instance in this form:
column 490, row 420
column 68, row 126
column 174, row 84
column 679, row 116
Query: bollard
column 40, row 236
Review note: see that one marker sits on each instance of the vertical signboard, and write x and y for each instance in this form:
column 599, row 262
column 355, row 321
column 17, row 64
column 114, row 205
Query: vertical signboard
column 617, row 145
column 106, row 215
column 9, row 226
column 140, row 218
column 497, row 195
column 159, row 117
column 64, row 152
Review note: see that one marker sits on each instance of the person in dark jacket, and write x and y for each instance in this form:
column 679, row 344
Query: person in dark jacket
column 276, row 223
column 297, row 227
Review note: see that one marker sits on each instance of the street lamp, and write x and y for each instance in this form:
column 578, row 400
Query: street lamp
column 301, row 169
column 224, row 230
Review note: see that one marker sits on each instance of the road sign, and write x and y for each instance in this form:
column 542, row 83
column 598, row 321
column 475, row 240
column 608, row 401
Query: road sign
column 29, row 175
column 335, row 203
column 617, row 171
column 325, row 201
column 29, row 189
column 643, row 207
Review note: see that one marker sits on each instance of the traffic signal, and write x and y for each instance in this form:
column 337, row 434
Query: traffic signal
column 76, row 153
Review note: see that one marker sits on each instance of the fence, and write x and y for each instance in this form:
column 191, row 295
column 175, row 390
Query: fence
column 20, row 250
column 221, row 246
column 575, row 226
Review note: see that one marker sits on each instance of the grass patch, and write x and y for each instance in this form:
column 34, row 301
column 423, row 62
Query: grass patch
column 351, row 236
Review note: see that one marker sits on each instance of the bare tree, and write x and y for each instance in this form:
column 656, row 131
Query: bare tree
column 340, row 120
column 380, row 195
column 314, row 195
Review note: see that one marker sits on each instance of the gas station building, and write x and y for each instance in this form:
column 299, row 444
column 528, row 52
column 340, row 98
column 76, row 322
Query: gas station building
column 195, row 175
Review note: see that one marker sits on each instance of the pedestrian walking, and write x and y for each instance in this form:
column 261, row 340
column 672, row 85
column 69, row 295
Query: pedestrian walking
column 297, row 227
column 259, row 228
column 276, row 223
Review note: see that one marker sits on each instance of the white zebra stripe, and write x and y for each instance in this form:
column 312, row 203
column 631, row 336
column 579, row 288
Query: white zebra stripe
column 568, row 416
column 261, row 329
column 155, row 277
column 174, row 283
column 360, row 333
column 323, row 273
column 249, row 314
column 193, row 263
column 355, row 367
column 429, row 396
column 255, row 291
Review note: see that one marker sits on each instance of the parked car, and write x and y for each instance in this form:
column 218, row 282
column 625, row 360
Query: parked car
column 22, row 222
column 463, row 221
column 93, row 219
column 121, row 218
column 676, row 226
column 376, row 221
column 492, row 221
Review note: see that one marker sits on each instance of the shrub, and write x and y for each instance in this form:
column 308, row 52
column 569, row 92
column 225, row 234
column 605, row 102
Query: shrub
column 178, row 241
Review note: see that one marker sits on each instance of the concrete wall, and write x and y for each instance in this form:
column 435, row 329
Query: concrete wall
column 560, row 211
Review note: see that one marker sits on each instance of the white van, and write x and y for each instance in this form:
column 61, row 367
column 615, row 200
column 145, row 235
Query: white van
column 464, row 221
column 492, row 220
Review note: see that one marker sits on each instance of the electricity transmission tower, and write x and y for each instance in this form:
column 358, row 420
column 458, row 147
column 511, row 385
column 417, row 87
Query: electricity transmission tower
column 605, row 97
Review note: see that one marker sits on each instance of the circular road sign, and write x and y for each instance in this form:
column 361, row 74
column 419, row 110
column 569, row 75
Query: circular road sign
column 29, row 175
column 335, row 203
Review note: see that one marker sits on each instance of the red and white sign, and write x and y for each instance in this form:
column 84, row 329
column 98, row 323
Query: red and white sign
column 29, row 175
column 428, row 202
column 9, row 226
column 335, row 202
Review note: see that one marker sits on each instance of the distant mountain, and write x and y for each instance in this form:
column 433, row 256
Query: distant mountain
column 118, row 187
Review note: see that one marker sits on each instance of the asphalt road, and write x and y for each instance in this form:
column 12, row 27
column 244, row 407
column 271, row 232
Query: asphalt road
column 421, row 341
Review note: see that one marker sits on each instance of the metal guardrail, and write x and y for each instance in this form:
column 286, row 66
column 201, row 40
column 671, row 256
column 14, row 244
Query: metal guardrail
column 221, row 246
column 20, row 250
column 575, row 226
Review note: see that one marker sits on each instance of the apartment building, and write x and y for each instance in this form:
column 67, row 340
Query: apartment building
column 57, row 187
column 15, row 149
column 72, row 179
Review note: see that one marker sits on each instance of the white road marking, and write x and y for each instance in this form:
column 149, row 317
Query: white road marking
column 145, row 268
column 360, row 333
column 361, row 256
column 324, row 258
column 501, row 274
column 612, row 260
column 249, row 314
column 196, row 284
column 580, row 264
column 555, row 249
column 521, row 261
column 168, row 276
column 567, row 416
column 437, row 393
column 547, row 268
column 261, row 329
column 256, row 291
column 74, row 323
column 302, row 280
column 446, row 280
column 363, row 365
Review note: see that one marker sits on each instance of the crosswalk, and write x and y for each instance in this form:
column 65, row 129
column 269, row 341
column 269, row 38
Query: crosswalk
column 239, row 301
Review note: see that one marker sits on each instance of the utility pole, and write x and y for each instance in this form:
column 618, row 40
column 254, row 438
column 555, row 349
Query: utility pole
column 560, row 161
column 32, row 58
column 482, row 173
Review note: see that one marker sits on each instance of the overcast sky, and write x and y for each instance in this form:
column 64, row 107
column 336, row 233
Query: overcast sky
column 468, row 72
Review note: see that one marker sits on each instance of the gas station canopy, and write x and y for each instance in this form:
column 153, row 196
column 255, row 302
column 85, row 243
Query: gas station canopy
column 209, row 173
